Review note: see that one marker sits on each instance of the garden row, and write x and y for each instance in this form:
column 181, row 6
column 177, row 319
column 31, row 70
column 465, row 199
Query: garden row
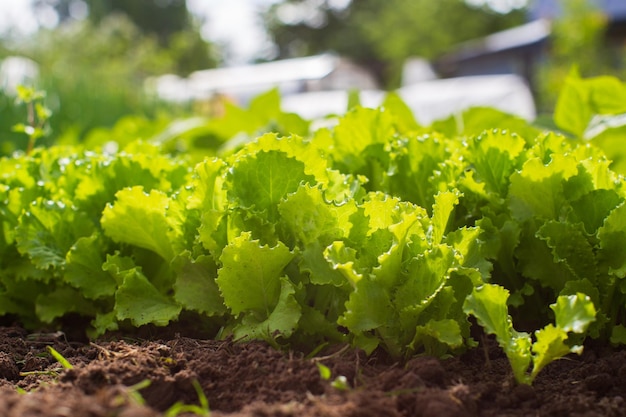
column 376, row 232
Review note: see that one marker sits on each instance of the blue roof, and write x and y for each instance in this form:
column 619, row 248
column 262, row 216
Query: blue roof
column 548, row 9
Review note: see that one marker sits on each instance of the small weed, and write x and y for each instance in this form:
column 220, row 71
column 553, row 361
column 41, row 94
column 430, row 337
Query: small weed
column 64, row 362
column 199, row 410
column 340, row 382
column 133, row 391
column 37, row 115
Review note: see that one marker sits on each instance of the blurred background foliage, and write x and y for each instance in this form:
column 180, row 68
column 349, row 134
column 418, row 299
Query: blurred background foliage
column 93, row 68
column 578, row 40
column 381, row 35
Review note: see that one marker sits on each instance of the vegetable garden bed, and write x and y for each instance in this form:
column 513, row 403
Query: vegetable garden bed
column 372, row 246
column 254, row 379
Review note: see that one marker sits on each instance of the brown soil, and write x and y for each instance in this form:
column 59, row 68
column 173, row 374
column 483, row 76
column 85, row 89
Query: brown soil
column 253, row 379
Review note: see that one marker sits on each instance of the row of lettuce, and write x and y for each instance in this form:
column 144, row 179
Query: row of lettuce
column 376, row 232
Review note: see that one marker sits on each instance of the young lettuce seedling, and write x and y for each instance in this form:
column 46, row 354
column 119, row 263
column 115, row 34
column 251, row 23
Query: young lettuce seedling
column 573, row 313
column 60, row 358
column 340, row 383
column 37, row 115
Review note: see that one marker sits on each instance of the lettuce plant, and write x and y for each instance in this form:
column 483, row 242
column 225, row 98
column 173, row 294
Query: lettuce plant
column 376, row 232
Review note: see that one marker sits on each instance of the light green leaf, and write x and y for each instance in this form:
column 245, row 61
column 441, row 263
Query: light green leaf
column 573, row 111
column 84, row 268
column 207, row 186
column 320, row 270
column 47, row 231
column 403, row 116
column 442, row 209
column 499, row 237
column 258, row 182
column 476, row 120
column 570, row 246
column 436, row 333
column 309, row 152
column 369, row 307
column 469, row 249
column 607, row 95
column 343, row 259
column 537, row 190
column 550, row 345
column 60, row 302
column 612, row 236
column 488, row 303
column 310, row 218
column 358, row 129
column 140, row 302
column 535, row 259
column 427, row 274
column 493, row 156
column 592, row 208
column 408, row 230
column 381, row 209
column 103, row 323
column 139, row 218
column 266, row 106
column 116, row 265
column 195, row 287
column 415, row 162
column 574, row 313
column 618, row 335
column 281, row 321
column 249, row 278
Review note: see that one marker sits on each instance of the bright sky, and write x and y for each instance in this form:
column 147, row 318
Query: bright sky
column 234, row 23
column 16, row 14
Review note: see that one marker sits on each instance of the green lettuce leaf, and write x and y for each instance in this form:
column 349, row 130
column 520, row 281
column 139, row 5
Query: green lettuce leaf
column 60, row 302
column 612, row 236
column 282, row 321
column 139, row 218
column 574, row 313
column 195, row 287
column 139, row 301
column 84, row 268
column 570, row 246
column 572, row 112
column 494, row 156
column 48, row 230
column 488, row 303
column 250, row 277
column 309, row 218
column 260, row 181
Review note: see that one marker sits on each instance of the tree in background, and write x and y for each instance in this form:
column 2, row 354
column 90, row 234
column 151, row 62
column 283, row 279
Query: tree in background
column 93, row 69
column 163, row 18
column 578, row 40
column 381, row 35
column 168, row 21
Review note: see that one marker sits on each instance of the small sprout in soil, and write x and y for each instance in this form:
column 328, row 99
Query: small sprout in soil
column 325, row 372
column 199, row 410
column 133, row 393
column 340, row 383
column 37, row 116
column 64, row 362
